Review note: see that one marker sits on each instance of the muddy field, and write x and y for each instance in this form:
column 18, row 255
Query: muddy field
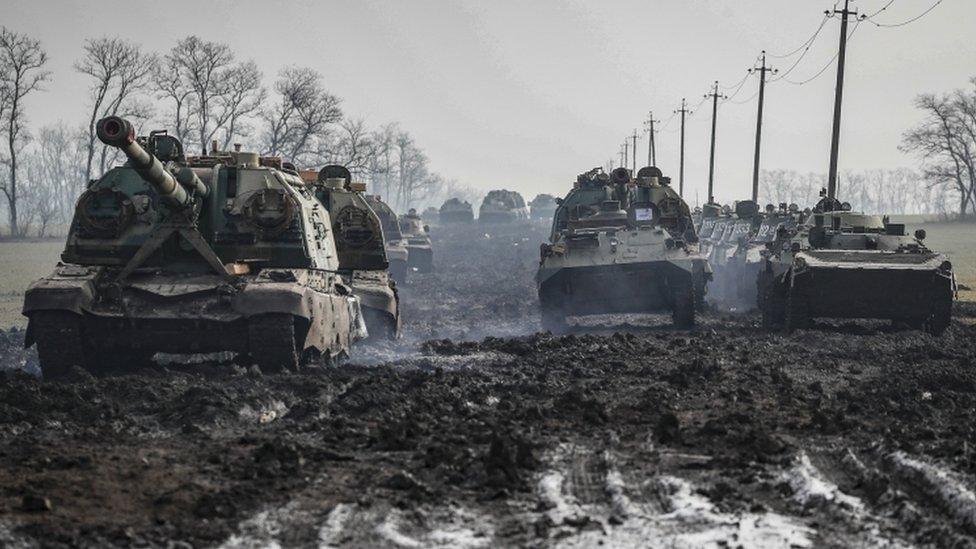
column 477, row 431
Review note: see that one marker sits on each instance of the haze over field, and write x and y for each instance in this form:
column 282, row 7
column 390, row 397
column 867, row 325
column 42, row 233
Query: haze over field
column 527, row 94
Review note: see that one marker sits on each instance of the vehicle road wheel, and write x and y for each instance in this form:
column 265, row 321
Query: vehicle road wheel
column 60, row 344
column 271, row 342
column 683, row 311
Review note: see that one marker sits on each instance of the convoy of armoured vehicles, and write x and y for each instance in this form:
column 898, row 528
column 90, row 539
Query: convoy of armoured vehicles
column 501, row 206
column 236, row 252
column 621, row 245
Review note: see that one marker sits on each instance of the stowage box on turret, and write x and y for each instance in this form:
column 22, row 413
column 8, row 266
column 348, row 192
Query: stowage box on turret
column 229, row 252
column 621, row 245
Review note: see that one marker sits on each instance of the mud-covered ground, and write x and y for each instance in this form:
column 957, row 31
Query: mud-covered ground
column 476, row 431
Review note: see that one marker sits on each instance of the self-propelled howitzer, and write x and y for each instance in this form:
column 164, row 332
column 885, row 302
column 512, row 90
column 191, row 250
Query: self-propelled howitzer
column 225, row 252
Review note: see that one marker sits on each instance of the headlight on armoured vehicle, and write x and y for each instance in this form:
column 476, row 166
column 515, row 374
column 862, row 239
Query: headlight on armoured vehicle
column 945, row 267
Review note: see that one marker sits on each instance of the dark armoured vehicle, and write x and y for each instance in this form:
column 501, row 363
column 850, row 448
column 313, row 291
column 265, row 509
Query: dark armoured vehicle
column 229, row 252
column 501, row 206
column 543, row 207
column 416, row 235
column 396, row 244
column 361, row 246
column 846, row 264
column 621, row 245
column 455, row 210
column 730, row 259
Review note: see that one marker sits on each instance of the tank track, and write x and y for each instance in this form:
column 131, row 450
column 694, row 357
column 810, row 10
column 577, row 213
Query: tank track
column 60, row 342
column 685, row 303
column 271, row 342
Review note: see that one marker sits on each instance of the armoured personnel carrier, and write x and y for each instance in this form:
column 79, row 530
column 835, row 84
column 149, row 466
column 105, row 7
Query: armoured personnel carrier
column 501, row 206
column 396, row 245
column 543, row 207
column 454, row 210
column 846, row 264
column 416, row 234
column 430, row 215
column 361, row 246
column 725, row 254
column 229, row 252
column 621, row 245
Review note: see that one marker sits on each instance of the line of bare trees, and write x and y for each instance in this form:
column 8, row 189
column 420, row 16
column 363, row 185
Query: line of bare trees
column 200, row 92
column 894, row 191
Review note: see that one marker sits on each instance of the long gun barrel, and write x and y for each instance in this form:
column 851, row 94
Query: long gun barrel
column 177, row 191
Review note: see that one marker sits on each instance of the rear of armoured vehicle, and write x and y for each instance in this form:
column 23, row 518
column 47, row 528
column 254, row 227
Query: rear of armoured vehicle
column 543, row 207
column 454, row 210
column 417, row 237
column 502, row 206
column 227, row 252
column 621, row 245
column 852, row 265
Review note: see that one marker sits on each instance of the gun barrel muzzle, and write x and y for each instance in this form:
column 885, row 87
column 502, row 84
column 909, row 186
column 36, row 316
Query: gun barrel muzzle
column 118, row 132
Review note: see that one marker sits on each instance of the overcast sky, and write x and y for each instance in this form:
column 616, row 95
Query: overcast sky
column 526, row 94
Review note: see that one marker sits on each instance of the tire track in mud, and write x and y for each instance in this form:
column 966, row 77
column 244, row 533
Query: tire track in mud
column 591, row 502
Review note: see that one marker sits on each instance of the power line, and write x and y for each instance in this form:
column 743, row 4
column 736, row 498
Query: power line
column 744, row 101
column 741, row 84
column 890, row 2
column 806, row 45
column 903, row 23
column 825, row 67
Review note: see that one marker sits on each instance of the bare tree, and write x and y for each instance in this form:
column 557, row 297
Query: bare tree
column 945, row 143
column 353, row 148
column 301, row 121
column 381, row 168
column 120, row 70
column 240, row 97
column 203, row 66
column 22, row 72
column 170, row 86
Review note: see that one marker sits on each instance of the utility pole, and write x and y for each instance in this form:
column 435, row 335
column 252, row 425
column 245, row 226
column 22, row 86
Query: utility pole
column 762, row 69
column 623, row 155
column 681, row 164
column 635, row 149
column 838, row 98
column 649, row 125
column 711, row 157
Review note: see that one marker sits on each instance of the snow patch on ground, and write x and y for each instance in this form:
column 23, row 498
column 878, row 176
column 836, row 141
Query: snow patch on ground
column 678, row 517
column 942, row 485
